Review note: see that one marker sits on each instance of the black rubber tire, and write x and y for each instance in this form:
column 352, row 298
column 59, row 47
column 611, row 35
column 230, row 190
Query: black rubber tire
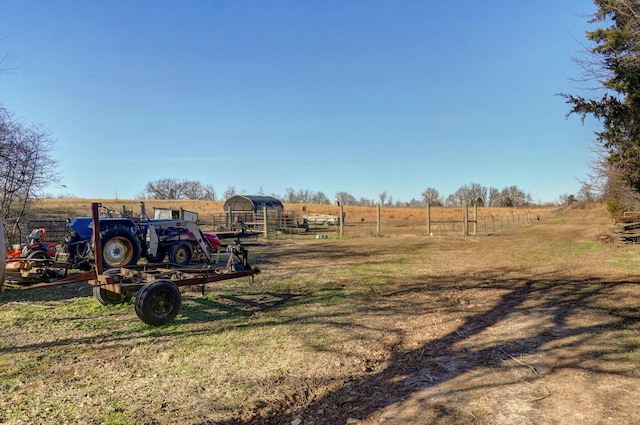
column 105, row 297
column 75, row 246
column 181, row 253
column 158, row 302
column 38, row 255
column 120, row 247
column 159, row 257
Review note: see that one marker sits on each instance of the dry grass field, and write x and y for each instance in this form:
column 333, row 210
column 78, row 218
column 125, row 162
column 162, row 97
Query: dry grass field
column 360, row 221
column 537, row 324
column 70, row 207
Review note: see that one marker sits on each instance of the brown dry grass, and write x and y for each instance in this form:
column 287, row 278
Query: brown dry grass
column 360, row 221
column 69, row 207
column 76, row 207
column 534, row 325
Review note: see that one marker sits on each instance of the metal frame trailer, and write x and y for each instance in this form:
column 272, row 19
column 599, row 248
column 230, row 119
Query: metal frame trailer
column 156, row 289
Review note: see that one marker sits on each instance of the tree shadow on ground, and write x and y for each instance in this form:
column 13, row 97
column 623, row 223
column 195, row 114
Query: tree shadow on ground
column 53, row 293
column 406, row 372
column 233, row 306
column 451, row 355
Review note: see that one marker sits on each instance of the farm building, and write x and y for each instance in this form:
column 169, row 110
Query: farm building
column 253, row 203
column 244, row 212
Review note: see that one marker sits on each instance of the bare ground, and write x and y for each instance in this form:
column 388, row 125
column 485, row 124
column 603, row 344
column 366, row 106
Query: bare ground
column 536, row 325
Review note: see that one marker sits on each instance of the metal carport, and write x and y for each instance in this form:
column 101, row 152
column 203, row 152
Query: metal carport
column 253, row 203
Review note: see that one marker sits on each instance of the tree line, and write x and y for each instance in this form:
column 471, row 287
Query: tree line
column 471, row 194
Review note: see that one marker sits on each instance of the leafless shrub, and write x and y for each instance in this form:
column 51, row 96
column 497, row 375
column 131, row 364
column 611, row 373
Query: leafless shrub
column 26, row 168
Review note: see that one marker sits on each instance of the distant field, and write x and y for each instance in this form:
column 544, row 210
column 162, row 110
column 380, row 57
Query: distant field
column 74, row 207
column 359, row 221
column 394, row 217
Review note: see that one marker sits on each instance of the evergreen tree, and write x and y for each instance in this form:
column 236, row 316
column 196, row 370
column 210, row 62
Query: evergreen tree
column 614, row 63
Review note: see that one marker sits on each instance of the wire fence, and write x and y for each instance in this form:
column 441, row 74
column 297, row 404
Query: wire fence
column 358, row 222
column 434, row 222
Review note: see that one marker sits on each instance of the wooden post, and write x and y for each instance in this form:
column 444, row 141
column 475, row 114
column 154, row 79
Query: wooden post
column 475, row 219
column 429, row 220
column 465, row 219
column 264, row 222
column 378, row 220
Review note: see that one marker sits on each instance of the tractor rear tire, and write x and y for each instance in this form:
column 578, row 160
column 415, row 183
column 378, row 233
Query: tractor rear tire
column 120, row 247
column 158, row 302
column 181, row 253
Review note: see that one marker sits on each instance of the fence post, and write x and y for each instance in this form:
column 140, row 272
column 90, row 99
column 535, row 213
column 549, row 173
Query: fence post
column 264, row 221
column 465, row 219
column 429, row 220
column 378, row 220
column 475, row 219
column 341, row 220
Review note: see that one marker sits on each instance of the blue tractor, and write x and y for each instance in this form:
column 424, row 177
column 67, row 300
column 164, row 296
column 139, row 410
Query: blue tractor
column 125, row 240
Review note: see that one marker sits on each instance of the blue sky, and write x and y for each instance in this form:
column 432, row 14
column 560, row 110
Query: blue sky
column 362, row 97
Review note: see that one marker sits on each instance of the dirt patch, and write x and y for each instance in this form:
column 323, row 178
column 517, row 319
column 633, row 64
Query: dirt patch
column 534, row 326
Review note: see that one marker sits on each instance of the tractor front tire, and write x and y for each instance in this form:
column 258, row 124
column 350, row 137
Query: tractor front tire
column 158, row 302
column 120, row 247
column 181, row 253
